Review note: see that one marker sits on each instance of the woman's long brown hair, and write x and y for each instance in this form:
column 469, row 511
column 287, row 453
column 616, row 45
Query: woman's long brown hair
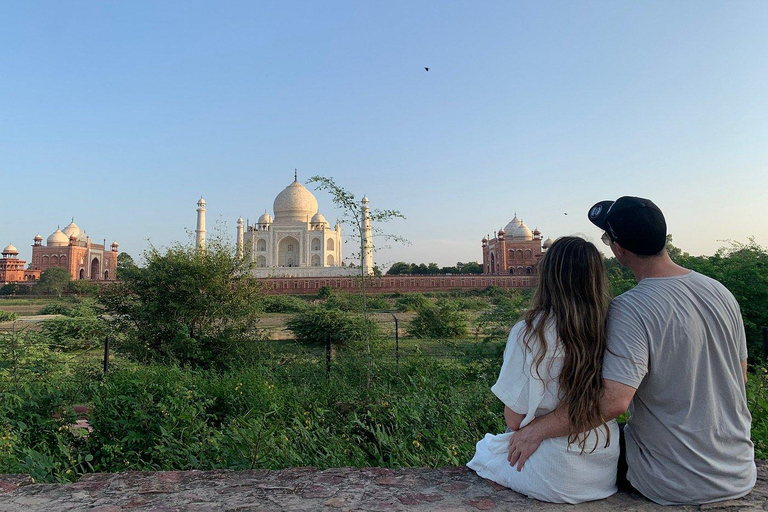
column 572, row 292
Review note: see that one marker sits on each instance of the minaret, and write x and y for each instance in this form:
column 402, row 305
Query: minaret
column 367, row 242
column 200, row 231
column 240, row 238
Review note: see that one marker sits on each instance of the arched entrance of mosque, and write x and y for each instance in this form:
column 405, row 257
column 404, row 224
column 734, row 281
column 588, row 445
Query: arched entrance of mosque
column 288, row 252
column 82, row 273
column 261, row 261
column 95, row 268
column 106, row 275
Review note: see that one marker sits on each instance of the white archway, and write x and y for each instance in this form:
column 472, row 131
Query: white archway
column 288, row 252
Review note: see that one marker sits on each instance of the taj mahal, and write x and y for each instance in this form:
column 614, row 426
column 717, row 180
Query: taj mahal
column 298, row 241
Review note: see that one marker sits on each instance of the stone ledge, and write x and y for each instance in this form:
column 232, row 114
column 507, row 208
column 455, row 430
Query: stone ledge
column 307, row 489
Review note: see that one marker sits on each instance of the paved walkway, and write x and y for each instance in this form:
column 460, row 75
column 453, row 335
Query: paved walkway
column 306, row 489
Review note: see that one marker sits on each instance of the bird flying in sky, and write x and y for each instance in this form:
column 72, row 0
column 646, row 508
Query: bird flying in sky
column 426, row 69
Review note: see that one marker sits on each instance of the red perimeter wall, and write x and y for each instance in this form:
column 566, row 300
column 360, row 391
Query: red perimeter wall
column 391, row 284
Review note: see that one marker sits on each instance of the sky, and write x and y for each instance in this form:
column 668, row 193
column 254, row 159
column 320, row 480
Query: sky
column 122, row 114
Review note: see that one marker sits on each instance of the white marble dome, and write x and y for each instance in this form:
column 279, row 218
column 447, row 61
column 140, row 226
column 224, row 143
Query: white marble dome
column 10, row 249
column 57, row 239
column 265, row 218
column 547, row 243
column 295, row 203
column 522, row 233
column 512, row 226
column 319, row 219
column 72, row 229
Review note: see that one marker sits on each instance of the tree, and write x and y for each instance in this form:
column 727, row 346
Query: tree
column 471, row 267
column 187, row 306
column 441, row 320
column 124, row 261
column 344, row 328
column 352, row 214
column 399, row 268
column 53, row 281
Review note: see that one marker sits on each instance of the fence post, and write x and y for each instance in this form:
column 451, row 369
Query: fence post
column 106, row 354
column 397, row 345
column 328, row 357
column 764, row 333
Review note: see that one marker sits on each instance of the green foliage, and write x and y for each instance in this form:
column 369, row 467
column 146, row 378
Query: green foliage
column 56, row 308
column 403, row 268
column 620, row 278
column 15, row 289
column 355, row 302
column 743, row 269
column 151, row 420
column 757, row 400
column 440, row 320
column 185, row 306
column 24, row 355
column 74, row 333
column 284, row 304
column 7, row 316
column 346, row 329
column 125, row 264
column 324, row 292
column 53, row 281
column 34, row 434
column 411, row 302
column 506, row 312
column 83, row 288
column 266, row 416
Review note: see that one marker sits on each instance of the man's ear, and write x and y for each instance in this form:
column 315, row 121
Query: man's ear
column 618, row 249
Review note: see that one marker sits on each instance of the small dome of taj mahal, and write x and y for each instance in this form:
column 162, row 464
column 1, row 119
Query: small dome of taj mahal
column 10, row 249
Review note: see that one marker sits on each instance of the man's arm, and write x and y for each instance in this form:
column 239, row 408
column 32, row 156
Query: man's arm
column 744, row 370
column 615, row 400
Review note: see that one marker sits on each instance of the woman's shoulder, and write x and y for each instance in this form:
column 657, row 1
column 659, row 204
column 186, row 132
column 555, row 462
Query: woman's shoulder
column 518, row 335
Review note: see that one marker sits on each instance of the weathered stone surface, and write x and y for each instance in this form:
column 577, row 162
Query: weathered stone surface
column 307, row 489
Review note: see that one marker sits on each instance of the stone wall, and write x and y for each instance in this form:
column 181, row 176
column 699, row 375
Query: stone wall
column 391, row 284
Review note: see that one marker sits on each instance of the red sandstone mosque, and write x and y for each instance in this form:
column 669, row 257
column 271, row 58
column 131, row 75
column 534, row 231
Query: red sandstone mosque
column 514, row 250
column 69, row 248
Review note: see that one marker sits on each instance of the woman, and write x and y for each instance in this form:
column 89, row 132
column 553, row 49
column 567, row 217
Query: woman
column 554, row 358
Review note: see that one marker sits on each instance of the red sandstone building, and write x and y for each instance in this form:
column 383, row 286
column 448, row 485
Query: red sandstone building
column 73, row 250
column 12, row 268
column 514, row 250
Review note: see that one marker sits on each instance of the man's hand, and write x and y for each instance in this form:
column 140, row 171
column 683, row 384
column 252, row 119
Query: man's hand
column 522, row 444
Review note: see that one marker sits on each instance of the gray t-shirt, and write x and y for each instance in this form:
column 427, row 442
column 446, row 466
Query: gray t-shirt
column 680, row 342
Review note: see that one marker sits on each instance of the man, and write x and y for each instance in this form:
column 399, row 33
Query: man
column 677, row 358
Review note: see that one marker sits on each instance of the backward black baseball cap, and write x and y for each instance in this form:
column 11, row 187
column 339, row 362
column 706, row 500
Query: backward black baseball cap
column 635, row 223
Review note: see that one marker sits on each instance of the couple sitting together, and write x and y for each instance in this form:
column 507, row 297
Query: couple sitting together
column 672, row 351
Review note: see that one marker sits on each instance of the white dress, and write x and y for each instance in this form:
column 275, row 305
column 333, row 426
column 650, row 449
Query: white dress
column 555, row 472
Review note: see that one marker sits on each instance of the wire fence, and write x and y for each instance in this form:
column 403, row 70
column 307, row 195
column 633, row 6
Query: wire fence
column 27, row 354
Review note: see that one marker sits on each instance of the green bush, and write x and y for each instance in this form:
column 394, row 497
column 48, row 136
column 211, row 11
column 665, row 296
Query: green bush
column 345, row 328
column 411, row 302
column 56, row 308
column 284, row 304
column 73, row 333
column 7, row 316
column 505, row 312
column 82, row 287
column 185, row 306
column 15, row 289
column 441, row 320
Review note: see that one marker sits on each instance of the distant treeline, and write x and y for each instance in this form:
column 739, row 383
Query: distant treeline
column 402, row 268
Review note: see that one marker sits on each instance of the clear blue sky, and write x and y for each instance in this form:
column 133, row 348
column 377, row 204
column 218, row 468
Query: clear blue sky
column 122, row 114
